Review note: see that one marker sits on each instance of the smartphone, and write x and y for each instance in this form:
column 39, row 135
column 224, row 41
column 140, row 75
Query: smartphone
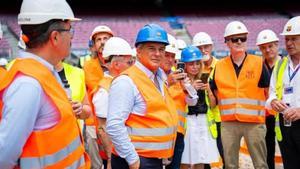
column 204, row 77
column 180, row 67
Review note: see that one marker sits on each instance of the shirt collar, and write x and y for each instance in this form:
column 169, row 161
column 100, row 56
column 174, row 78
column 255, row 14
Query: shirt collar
column 24, row 54
column 290, row 62
column 149, row 74
column 106, row 74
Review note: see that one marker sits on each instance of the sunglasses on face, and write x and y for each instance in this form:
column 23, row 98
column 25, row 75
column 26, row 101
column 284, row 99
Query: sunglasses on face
column 236, row 39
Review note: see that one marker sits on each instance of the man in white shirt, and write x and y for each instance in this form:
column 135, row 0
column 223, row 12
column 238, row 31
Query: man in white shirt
column 117, row 54
column 142, row 119
column 285, row 96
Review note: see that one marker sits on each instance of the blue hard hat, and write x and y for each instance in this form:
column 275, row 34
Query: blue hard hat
column 152, row 33
column 190, row 54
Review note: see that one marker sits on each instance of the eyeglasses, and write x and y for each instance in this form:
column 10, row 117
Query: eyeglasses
column 236, row 39
column 71, row 30
column 130, row 62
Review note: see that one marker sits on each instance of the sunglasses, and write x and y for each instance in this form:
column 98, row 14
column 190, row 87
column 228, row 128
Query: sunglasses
column 236, row 39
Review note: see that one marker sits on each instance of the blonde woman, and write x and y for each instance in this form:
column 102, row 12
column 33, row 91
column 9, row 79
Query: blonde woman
column 200, row 144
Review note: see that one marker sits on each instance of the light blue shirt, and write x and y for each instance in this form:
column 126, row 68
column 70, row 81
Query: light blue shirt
column 26, row 108
column 124, row 98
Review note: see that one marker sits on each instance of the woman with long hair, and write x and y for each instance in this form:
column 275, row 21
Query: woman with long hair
column 200, row 144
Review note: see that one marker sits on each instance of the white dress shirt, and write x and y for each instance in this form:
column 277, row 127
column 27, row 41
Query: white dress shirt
column 124, row 99
column 293, row 98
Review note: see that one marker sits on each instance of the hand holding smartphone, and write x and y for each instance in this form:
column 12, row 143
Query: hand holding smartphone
column 180, row 68
column 204, row 77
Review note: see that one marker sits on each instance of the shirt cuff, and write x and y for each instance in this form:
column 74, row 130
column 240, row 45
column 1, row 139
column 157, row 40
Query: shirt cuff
column 268, row 102
column 132, row 158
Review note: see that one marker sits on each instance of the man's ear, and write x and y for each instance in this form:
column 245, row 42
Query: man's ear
column 54, row 37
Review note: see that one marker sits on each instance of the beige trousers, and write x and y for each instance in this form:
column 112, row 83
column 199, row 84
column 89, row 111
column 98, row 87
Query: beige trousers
column 254, row 135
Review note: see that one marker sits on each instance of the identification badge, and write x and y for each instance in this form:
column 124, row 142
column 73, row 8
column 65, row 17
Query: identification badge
column 288, row 90
column 288, row 94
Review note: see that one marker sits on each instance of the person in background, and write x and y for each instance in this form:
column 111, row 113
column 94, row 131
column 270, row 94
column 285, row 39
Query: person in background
column 117, row 54
column 205, row 44
column 93, row 71
column 267, row 41
column 176, row 82
column 200, row 144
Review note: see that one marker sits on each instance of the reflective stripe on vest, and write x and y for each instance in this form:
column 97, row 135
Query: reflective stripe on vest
column 243, row 111
column 242, row 101
column 78, row 164
column 183, row 115
column 42, row 162
column 153, row 145
column 150, row 131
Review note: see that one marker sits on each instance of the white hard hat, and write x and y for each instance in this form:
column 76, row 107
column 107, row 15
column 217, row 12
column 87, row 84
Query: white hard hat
column 180, row 44
column 235, row 28
column 202, row 38
column 3, row 62
column 292, row 27
column 266, row 36
column 172, row 47
column 1, row 32
column 101, row 29
column 41, row 11
column 134, row 52
column 116, row 46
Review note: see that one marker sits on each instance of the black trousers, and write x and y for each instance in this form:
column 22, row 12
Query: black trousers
column 270, row 141
column 145, row 163
column 290, row 145
column 178, row 150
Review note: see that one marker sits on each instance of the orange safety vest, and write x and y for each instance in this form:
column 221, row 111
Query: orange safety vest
column 93, row 73
column 2, row 72
column 60, row 146
column 153, row 135
column 105, row 83
column 178, row 96
column 240, row 98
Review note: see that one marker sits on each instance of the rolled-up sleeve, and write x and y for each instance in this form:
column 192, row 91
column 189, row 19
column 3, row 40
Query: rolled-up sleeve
column 121, row 102
column 20, row 110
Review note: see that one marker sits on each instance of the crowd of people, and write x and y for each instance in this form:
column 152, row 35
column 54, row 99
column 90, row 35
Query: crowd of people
column 168, row 105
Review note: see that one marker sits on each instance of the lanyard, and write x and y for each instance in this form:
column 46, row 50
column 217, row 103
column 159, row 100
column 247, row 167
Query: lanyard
column 294, row 73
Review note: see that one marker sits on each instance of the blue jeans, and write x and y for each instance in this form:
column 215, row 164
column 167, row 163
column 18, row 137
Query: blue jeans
column 178, row 150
